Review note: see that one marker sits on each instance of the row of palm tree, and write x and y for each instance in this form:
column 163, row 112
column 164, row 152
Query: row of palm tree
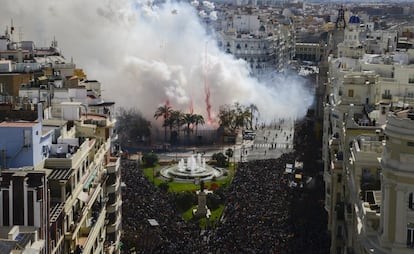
column 175, row 119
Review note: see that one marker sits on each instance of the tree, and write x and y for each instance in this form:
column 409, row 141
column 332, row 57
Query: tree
column 184, row 200
column 178, row 119
column 164, row 111
column 149, row 159
column 227, row 116
column 220, row 158
column 175, row 120
column 198, row 119
column 253, row 108
column 233, row 117
column 188, row 120
column 242, row 116
column 164, row 186
column 213, row 201
column 229, row 154
column 132, row 126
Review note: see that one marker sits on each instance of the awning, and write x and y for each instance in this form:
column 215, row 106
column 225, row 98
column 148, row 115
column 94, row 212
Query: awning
column 90, row 179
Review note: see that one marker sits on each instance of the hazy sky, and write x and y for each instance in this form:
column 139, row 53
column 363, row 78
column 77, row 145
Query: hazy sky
column 145, row 55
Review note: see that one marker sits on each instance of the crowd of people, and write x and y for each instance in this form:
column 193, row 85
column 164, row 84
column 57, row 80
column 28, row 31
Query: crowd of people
column 262, row 213
column 151, row 222
column 256, row 218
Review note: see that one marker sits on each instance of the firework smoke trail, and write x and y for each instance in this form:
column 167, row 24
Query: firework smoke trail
column 207, row 90
column 134, row 72
column 208, row 105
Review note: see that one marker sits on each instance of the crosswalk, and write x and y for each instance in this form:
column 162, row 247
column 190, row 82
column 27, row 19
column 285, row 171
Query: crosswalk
column 272, row 146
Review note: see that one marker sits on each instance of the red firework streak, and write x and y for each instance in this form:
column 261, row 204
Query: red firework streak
column 207, row 90
column 191, row 106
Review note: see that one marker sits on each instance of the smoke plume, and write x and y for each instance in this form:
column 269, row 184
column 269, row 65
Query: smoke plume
column 146, row 54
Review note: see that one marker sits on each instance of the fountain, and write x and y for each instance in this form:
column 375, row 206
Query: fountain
column 194, row 167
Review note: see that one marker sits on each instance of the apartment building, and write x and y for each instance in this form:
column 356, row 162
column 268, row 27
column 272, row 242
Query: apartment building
column 60, row 174
column 367, row 145
column 263, row 38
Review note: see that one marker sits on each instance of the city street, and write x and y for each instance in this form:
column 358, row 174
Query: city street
column 270, row 142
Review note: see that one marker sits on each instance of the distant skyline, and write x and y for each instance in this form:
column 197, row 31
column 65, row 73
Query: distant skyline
column 357, row 1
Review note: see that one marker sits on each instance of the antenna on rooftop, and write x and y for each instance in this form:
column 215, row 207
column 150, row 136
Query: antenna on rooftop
column 54, row 42
column 20, row 33
column 11, row 30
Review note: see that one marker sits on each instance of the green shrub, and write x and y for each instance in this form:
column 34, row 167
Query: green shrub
column 164, row 186
column 149, row 159
column 184, row 200
column 221, row 159
column 213, row 201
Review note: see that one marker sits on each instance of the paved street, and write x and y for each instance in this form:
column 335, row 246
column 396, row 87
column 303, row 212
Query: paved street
column 270, row 142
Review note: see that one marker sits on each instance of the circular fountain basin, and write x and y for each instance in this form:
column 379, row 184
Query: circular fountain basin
column 194, row 168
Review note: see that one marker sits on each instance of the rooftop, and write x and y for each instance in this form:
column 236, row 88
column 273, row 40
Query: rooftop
column 18, row 124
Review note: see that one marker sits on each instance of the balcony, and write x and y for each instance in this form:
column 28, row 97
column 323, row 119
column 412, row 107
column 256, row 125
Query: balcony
column 113, row 165
column 114, row 187
column 93, row 234
column 115, row 227
column 386, row 96
column 67, row 158
column 111, row 208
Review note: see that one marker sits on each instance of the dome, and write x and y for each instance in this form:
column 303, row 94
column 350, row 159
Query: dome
column 354, row 20
column 262, row 28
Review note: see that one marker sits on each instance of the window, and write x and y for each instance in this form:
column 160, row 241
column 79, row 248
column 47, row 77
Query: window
column 410, row 201
column 387, row 94
column 410, row 235
column 411, row 78
column 350, row 93
column 27, row 138
column 339, row 231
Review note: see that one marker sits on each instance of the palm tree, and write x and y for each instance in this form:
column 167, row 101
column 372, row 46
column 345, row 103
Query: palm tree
column 227, row 116
column 164, row 111
column 176, row 119
column 198, row 119
column 242, row 116
column 188, row 120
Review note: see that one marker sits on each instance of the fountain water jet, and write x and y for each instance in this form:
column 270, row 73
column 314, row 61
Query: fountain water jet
column 194, row 167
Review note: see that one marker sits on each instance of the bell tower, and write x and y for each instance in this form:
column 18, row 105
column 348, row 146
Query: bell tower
column 340, row 22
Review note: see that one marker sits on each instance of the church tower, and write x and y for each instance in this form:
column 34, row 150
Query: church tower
column 340, row 21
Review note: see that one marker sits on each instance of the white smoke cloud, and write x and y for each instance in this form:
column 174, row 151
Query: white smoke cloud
column 213, row 15
column 145, row 55
column 202, row 14
column 209, row 5
column 195, row 3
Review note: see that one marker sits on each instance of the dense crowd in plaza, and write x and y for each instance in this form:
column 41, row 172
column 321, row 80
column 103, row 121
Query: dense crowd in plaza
column 262, row 214
column 256, row 218
column 142, row 202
